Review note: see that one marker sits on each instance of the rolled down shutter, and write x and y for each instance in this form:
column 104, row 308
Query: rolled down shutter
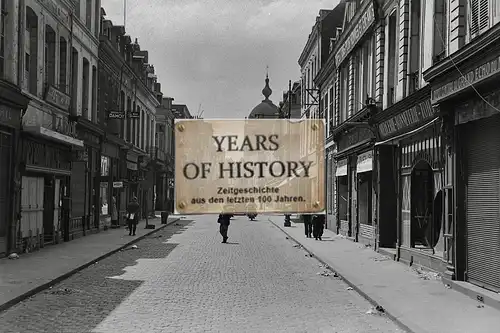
column 483, row 202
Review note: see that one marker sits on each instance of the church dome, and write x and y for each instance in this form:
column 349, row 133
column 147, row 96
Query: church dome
column 266, row 109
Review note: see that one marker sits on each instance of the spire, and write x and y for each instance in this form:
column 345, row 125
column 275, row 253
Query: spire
column 267, row 90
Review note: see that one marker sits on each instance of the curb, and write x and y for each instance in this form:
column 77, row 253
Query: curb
column 352, row 285
column 65, row 276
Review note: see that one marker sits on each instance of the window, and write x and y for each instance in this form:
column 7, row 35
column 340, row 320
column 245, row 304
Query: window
column 3, row 18
column 31, row 52
column 392, row 63
column 479, row 17
column 85, row 88
column 440, row 31
column 63, row 63
column 415, row 44
column 74, row 78
column 88, row 14
column 343, row 197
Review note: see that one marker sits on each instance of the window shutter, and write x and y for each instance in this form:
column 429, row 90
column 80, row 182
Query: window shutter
column 474, row 17
column 479, row 16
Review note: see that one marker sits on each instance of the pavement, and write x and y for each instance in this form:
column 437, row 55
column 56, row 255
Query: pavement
column 417, row 300
column 182, row 279
column 33, row 272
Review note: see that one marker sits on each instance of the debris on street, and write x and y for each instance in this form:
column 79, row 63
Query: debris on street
column 426, row 275
column 377, row 310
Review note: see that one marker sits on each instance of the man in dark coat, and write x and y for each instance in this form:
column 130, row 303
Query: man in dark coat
column 307, row 225
column 133, row 216
column 318, row 223
column 224, row 221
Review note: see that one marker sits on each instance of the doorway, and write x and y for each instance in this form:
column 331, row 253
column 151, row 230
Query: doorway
column 5, row 182
column 422, row 206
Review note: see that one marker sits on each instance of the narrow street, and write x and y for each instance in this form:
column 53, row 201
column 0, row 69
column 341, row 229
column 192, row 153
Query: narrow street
column 182, row 279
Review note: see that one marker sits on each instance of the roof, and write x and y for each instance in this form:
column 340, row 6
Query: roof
column 266, row 109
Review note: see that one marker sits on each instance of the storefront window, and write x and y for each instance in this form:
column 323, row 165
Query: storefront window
column 343, row 196
column 364, row 198
column 104, row 194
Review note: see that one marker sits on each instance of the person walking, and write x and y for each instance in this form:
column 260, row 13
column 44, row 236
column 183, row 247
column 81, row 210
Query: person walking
column 318, row 226
column 307, row 225
column 224, row 221
column 114, row 212
column 133, row 216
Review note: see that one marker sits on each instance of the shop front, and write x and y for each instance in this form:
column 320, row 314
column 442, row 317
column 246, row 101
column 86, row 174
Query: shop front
column 48, row 142
column 469, row 100
column 89, row 161
column 331, row 190
column 411, row 182
column 354, row 184
column 12, row 105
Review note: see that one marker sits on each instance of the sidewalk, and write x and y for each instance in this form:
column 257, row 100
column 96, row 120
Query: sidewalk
column 421, row 306
column 36, row 271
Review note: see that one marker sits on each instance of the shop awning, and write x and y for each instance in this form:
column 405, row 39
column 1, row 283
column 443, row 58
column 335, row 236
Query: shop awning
column 365, row 162
column 53, row 135
column 396, row 139
column 341, row 168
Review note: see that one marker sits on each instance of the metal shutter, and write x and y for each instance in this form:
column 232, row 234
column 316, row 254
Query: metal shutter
column 483, row 202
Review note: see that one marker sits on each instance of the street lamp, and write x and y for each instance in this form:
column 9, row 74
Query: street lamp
column 288, row 222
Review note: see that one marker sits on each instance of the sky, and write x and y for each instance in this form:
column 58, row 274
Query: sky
column 214, row 53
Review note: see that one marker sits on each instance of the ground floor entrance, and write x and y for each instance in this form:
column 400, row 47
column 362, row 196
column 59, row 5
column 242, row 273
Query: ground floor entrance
column 482, row 192
column 6, row 151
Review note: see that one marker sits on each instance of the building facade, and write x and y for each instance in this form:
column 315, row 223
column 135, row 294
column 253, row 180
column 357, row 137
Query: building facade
column 463, row 92
column 355, row 102
column 128, row 98
column 165, row 146
column 13, row 104
column 392, row 169
column 312, row 58
column 325, row 81
column 49, row 139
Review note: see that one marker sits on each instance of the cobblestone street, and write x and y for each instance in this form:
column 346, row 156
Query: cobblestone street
column 182, row 279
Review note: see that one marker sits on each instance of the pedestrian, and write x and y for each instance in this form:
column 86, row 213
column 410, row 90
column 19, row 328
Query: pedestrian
column 132, row 216
column 224, row 221
column 318, row 223
column 307, row 225
column 114, row 212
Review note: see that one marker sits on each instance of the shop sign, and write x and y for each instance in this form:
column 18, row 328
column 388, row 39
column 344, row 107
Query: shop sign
column 341, row 168
column 116, row 115
column 57, row 98
column 117, row 184
column 134, row 114
column 410, row 117
column 478, row 108
column 354, row 137
column 360, row 28
column 466, row 80
column 365, row 162
column 9, row 116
